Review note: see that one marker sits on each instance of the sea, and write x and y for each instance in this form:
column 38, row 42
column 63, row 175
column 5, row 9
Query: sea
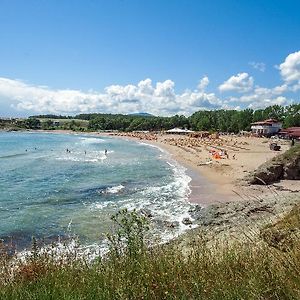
column 56, row 186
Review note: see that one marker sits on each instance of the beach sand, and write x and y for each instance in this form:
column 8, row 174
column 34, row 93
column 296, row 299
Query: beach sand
column 218, row 180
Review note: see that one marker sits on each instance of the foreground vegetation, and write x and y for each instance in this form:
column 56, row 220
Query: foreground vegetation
column 131, row 270
column 214, row 120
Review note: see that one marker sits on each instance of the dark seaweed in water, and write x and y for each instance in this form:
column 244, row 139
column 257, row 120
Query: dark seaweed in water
column 12, row 155
column 21, row 239
column 94, row 190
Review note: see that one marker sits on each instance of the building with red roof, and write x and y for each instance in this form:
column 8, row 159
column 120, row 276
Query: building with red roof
column 290, row 133
column 266, row 128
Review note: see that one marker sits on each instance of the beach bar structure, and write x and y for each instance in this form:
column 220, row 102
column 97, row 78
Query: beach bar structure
column 290, row 133
column 199, row 134
column 266, row 128
column 179, row 131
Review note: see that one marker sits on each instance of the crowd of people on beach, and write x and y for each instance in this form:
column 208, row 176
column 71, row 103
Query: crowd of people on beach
column 138, row 135
column 210, row 149
column 217, row 147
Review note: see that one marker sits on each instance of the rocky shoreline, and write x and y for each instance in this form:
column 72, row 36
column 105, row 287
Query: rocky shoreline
column 235, row 221
column 261, row 205
column 283, row 167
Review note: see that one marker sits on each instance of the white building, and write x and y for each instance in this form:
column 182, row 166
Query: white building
column 179, row 131
column 267, row 127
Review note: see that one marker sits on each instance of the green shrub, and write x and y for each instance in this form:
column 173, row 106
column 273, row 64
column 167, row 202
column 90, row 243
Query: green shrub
column 240, row 270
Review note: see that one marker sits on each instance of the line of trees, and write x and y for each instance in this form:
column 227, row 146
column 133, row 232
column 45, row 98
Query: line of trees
column 213, row 120
column 235, row 121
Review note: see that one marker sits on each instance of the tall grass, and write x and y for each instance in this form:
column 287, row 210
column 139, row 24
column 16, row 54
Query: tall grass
column 131, row 270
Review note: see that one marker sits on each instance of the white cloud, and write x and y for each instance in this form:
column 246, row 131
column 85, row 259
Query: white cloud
column 258, row 65
column 290, row 68
column 241, row 83
column 295, row 87
column 203, row 83
column 165, row 90
column 278, row 90
column 263, row 103
column 145, row 87
column 262, row 97
column 160, row 99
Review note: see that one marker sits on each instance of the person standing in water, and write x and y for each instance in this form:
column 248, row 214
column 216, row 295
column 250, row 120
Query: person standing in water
column 105, row 151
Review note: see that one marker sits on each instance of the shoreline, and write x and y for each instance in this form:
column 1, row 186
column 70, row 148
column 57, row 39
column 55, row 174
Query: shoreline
column 212, row 181
column 203, row 190
column 200, row 185
column 219, row 181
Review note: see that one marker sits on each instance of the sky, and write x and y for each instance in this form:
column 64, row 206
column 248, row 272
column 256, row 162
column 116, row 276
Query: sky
column 162, row 57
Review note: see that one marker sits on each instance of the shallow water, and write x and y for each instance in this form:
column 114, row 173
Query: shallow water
column 47, row 192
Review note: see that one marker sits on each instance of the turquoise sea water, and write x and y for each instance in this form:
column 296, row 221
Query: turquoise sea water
column 47, row 192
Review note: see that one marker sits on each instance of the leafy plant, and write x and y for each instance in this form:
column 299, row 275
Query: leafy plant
column 129, row 234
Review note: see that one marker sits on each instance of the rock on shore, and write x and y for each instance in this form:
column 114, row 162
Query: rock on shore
column 284, row 166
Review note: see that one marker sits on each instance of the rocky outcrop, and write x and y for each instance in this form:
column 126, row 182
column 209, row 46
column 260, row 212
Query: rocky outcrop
column 292, row 168
column 232, row 213
column 284, row 166
column 267, row 173
column 232, row 221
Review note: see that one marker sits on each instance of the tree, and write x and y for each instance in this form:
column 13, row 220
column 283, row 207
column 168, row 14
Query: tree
column 33, row 123
column 47, row 125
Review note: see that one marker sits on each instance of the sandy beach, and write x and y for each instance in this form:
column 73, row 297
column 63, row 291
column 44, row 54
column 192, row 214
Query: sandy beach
column 217, row 165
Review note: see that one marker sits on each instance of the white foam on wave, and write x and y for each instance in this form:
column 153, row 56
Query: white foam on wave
column 125, row 203
column 102, row 205
column 167, row 203
column 170, row 201
column 114, row 189
column 90, row 157
column 91, row 140
column 62, row 251
column 153, row 146
column 80, row 159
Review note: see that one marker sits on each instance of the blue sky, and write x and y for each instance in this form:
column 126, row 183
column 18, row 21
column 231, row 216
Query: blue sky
column 132, row 55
